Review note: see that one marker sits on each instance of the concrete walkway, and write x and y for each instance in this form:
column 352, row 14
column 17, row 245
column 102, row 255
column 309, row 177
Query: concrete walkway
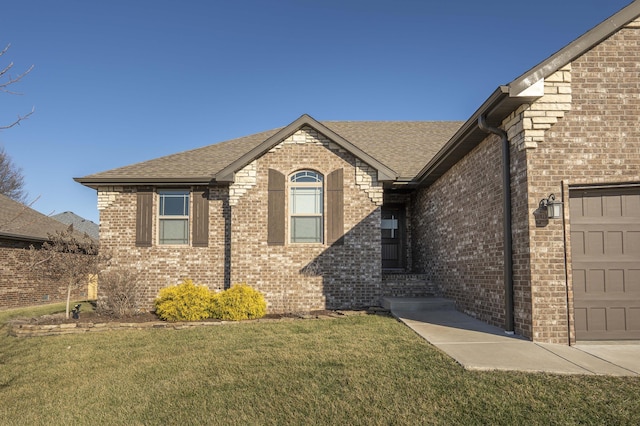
column 479, row 346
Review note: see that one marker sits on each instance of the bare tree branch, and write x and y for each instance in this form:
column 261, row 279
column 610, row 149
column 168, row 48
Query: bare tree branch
column 6, row 80
column 67, row 259
column 18, row 120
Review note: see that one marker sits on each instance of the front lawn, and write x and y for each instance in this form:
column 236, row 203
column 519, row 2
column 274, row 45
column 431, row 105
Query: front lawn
column 356, row 370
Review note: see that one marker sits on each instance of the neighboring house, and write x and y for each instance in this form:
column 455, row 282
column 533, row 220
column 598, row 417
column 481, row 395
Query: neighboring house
column 340, row 214
column 80, row 224
column 20, row 228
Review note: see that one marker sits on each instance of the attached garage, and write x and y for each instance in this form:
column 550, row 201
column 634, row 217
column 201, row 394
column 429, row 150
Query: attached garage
column 605, row 251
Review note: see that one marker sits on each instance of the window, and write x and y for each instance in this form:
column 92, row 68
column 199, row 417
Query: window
column 305, row 207
column 173, row 217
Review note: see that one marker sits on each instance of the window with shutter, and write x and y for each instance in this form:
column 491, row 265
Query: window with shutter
column 144, row 216
column 335, row 207
column 306, row 211
column 276, row 212
column 173, row 217
column 200, row 237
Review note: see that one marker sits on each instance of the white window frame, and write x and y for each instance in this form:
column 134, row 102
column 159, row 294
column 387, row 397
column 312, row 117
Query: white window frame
column 185, row 194
column 301, row 180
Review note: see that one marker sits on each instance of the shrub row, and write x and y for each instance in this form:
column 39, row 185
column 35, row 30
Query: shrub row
column 192, row 302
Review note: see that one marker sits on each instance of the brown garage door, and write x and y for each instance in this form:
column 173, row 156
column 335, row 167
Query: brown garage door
column 605, row 251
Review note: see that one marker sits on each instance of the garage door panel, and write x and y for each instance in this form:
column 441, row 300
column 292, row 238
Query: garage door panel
column 605, row 249
column 611, row 280
column 632, row 281
column 577, row 242
column 579, row 281
column 595, row 281
column 597, row 319
column 631, row 205
column 594, row 243
column 633, row 319
column 632, row 246
column 592, row 207
column 612, row 205
column 616, row 319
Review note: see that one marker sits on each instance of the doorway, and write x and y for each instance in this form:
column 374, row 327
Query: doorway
column 392, row 227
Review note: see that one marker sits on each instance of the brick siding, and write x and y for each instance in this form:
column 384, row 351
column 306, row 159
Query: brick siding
column 584, row 130
column 302, row 277
column 293, row 277
column 457, row 233
column 18, row 288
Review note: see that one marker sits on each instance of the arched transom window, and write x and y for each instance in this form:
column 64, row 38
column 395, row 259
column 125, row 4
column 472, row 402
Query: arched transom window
column 305, row 207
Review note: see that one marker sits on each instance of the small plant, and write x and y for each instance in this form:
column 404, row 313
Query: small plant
column 118, row 293
column 184, row 302
column 240, row 302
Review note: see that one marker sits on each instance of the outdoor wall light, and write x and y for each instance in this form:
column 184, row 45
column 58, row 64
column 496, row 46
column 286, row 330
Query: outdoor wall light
column 554, row 208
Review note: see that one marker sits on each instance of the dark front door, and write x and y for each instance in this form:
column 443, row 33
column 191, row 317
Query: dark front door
column 393, row 236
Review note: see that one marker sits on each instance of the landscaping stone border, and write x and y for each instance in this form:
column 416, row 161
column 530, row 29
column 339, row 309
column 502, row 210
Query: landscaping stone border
column 22, row 328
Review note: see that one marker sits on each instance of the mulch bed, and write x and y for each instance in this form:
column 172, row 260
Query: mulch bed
column 91, row 316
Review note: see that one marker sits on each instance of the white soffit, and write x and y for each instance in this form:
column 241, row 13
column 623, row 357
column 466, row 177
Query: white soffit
column 535, row 90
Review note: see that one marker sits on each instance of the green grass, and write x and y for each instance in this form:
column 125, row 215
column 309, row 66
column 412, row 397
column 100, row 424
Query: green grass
column 364, row 370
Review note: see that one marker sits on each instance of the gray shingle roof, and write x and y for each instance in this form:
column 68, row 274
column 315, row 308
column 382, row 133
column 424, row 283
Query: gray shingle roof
column 404, row 147
column 80, row 224
column 18, row 221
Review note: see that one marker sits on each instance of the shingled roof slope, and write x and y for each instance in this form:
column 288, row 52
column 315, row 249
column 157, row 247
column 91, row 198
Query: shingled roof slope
column 18, row 221
column 405, row 147
column 79, row 223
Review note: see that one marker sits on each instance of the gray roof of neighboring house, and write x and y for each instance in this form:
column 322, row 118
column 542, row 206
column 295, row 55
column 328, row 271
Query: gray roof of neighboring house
column 21, row 222
column 403, row 147
column 80, row 224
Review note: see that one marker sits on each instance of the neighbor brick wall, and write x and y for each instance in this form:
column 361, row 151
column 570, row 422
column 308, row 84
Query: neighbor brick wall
column 18, row 288
column 303, row 277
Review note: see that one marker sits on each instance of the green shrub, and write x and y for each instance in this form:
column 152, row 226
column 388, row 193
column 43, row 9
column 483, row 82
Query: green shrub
column 240, row 302
column 184, row 302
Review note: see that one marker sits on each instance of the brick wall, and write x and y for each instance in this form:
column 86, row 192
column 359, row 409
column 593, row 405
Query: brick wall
column 293, row 277
column 584, row 130
column 302, row 277
column 18, row 288
column 597, row 141
column 160, row 266
column 457, row 233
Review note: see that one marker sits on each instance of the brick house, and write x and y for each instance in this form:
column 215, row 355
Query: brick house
column 340, row 214
column 20, row 228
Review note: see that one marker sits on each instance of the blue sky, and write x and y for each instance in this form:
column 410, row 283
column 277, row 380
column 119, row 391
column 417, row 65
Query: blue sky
column 117, row 82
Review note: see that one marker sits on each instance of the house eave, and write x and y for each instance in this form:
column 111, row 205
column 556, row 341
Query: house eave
column 165, row 181
column 385, row 174
column 495, row 109
column 25, row 238
column 523, row 90
column 576, row 48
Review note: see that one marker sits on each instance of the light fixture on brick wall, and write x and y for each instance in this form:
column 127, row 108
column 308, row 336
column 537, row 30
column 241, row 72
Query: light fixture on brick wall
column 553, row 206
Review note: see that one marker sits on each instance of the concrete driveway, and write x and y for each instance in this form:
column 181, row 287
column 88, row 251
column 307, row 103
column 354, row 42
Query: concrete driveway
column 478, row 346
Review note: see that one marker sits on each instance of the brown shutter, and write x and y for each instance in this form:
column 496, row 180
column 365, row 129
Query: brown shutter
column 276, row 220
column 200, row 230
column 335, row 207
column 144, row 217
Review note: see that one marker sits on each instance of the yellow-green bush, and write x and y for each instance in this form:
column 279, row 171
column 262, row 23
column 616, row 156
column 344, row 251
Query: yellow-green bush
column 240, row 302
column 184, row 302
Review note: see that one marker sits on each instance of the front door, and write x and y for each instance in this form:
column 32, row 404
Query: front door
column 393, row 232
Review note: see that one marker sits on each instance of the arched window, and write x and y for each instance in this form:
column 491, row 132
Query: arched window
column 305, row 207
